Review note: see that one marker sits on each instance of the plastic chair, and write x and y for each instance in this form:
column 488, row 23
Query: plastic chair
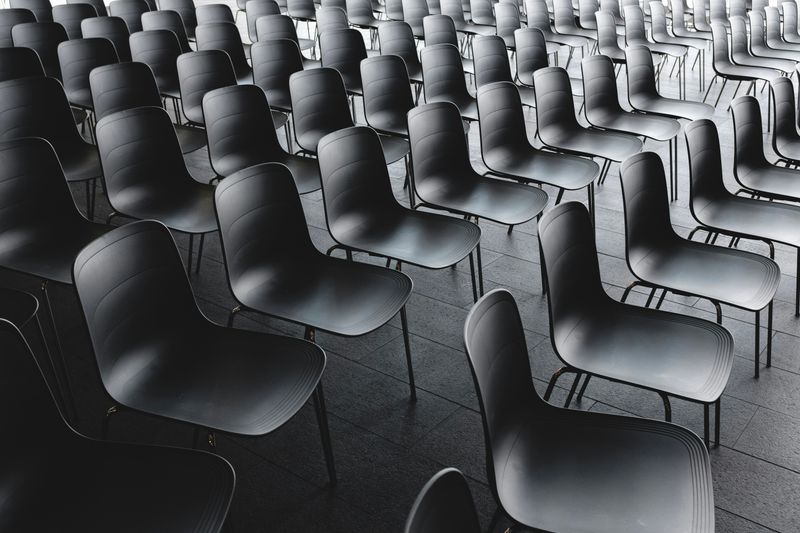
column 481, row 12
column 700, row 15
column 636, row 35
column 282, row 27
column 387, row 95
column 440, row 29
column 689, row 40
column 564, row 24
column 444, row 505
column 98, row 5
column 413, row 13
column 112, row 28
column 42, row 9
column 274, row 61
column 758, row 54
column 699, row 21
column 301, row 10
column 130, row 11
column 607, row 43
column 184, row 8
column 10, row 18
column 785, row 139
column 492, row 65
column 159, row 50
column 168, row 20
column 198, row 73
column 531, row 55
column 508, row 21
column 575, row 470
column 455, row 10
column 213, row 13
column 77, row 58
column 773, row 39
column 225, row 36
column 790, row 34
column 43, row 38
column 538, row 17
column 19, row 62
column 140, row 310
column 361, row 15
column 397, row 38
column 71, row 15
column 343, row 51
column 443, row 79
column 718, row 13
column 586, row 11
column 255, row 9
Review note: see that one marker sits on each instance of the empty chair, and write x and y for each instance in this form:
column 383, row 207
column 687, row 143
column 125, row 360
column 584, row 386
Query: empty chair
column 98, row 5
column 77, row 58
column 211, row 13
column 140, row 311
column 741, row 52
column 718, row 12
column 444, row 505
column 565, row 24
column 790, row 34
column 146, row 177
column 193, row 492
column 41, row 9
column 10, row 18
column 507, row 16
column 413, row 13
column 71, row 15
column 397, row 38
column 130, row 11
column 19, row 62
column 387, row 95
column 700, row 23
column 718, row 211
column 661, row 35
column 343, row 51
column 555, row 469
column 660, row 258
column 198, row 73
column 491, row 64
column 282, row 27
column 393, row 9
column 43, row 38
column 274, row 61
column 785, row 139
column 361, row 15
column 700, row 15
column 241, row 134
column 443, row 79
column 538, row 17
column 607, row 43
column 773, row 37
column 225, row 36
column 167, row 20
column 586, row 11
column 159, row 50
column 255, row 9
column 454, row 10
column 440, row 29
column 481, row 12
column 112, row 28
column 636, row 35
column 301, row 10
column 184, row 8
column 330, row 19
column 531, row 55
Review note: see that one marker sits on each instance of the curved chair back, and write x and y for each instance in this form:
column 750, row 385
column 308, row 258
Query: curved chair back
column 555, row 110
column 719, row 36
column 501, row 118
column 613, row 7
column 586, row 11
column 443, row 74
column 748, row 135
column 301, row 9
column 439, row 29
column 77, row 59
column 10, row 18
column 599, row 86
column 41, row 9
column 394, row 9
column 359, row 10
column 739, row 44
column 130, row 11
column 538, row 16
column 658, row 22
column 319, row 105
column 123, row 86
column 438, row 145
column 718, row 12
column 453, row 9
column 71, row 15
column 274, row 61
column 784, row 111
column 343, row 50
column 772, row 17
column 239, row 128
column 705, row 164
column 641, row 73
column 98, row 5
column 789, row 20
column 737, row 8
column 276, row 27
column 491, row 60
column 444, row 504
column 184, row 8
column 159, row 50
column 255, row 9
column 564, row 16
column 168, row 20
column 211, row 13
column 531, row 53
column 331, row 19
column 397, row 38
column 607, row 43
column 198, row 73
column 507, row 17
column 19, row 62
column 758, row 6
column 112, row 28
column 224, row 36
column 43, row 38
column 635, row 32
column 413, row 13
column 481, row 12
column 387, row 93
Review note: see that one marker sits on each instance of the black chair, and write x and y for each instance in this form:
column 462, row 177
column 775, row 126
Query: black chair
column 159, row 50
column 607, row 43
column 212, row 13
column 343, row 51
column 387, row 94
column 274, row 61
column 397, row 38
column 301, row 10
column 682, row 37
column 146, row 177
column 440, row 29
column 454, row 9
column 507, row 22
column 636, row 35
column 225, row 36
column 140, row 310
column 184, row 8
column 128, row 85
column 603, row 111
column 554, row 469
column 361, row 15
column 507, row 152
column 43, row 231
column 71, row 15
column 717, row 211
column 332, row 19
column 112, row 28
column 130, row 11
column 167, row 20
column 444, row 505
column 660, row 259
column 531, row 55
column 198, row 73
column 10, row 18
column 98, row 5
column 282, row 27
column 785, row 139
column 43, row 38
column 42, row 9
column 413, row 13
column 241, row 134
column 91, row 482
column 19, row 62
column 255, row 9
column 492, row 65
column 742, row 52
column 443, row 79
column 559, row 130
column 790, row 33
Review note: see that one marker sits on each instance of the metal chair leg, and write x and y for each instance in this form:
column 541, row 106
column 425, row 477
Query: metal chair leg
column 59, row 387
column 757, row 358
column 200, row 253
column 472, row 273
column 572, row 389
column 717, row 409
column 583, row 388
column 557, row 374
column 705, row 425
column 407, row 343
column 667, row 407
column 322, row 421
column 235, row 311
column 769, row 335
column 67, row 386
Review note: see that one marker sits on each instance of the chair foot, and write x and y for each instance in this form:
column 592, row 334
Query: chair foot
column 407, row 343
column 557, row 374
column 235, row 311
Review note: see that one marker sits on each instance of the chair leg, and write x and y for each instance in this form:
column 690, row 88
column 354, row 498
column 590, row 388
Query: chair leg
column 628, row 290
column 717, row 409
column 796, row 286
column 572, row 389
column 480, row 268
column 235, row 311
column 650, row 297
column 407, row 343
column 59, row 387
column 557, row 374
column 67, row 386
column 705, row 425
column 769, row 335
column 200, row 253
column 667, row 406
column 757, row 357
column 472, row 273
column 189, row 255
column 322, row 421
column 583, row 388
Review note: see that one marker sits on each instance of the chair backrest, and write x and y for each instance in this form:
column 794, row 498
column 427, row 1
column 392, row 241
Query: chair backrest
column 439, row 150
column 555, row 110
column 184, row 8
column 658, row 22
column 19, row 62
column 439, row 29
column 98, row 5
column 705, row 164
column 359, row 10
column 43, row 38
column 123, row 86
column 739, row 45
column 71, row 15
column 274, row 61
column 443, row 74
column 641, row 73
column 564, row 16
column 679, row 13
column 784, row 110
column 167, row 20
column 258, row 8
column 131, row 282
column 10, row 18
column 444, row 504
column 276, row 27
column 718, row 11
column 481, row 12
column 758, row 6
column 112, row 28
column 719, row 36
column 387, row 91
column 613, row 7
column 599, row 86
column 77, row 59
column 700, row 15
column 413, row 13
column 397, row 38
column 239, row 128
column 748, row 135
column 159, row 50
column 210, row 13
column 773, row 23
column 454, row 10
column 198, row 73
column 501, row 118
column 538, row 16
column 607, row 43
column 634, row 25
column 41, row 9
column 757, row 36
column 343, row 50
column 130, row 11
column 301, row 9
column 737, row 8
column 319, row 105
column 331, row 19
column 491, row 59
column 507, row 20
column 224, row 36
column 586, row 11
column 531, row 53
column 789, row 18
column 394, row 9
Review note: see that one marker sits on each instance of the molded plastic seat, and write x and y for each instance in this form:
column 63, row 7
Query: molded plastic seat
column 481, row 12
column 396, row 38
column 508, row 21
column 492, row 65
column 343, row 51
column 282, row 27
column 531, row 55
column 538, row 17
column 89, row 483
column 198, row 73
column 10, row 18
column 212, row 13
column 129, row 85
column 636, row 34
column 225, row 36
column 701, row 28
column 785, row 139
column 443, row 79
column 444, row 505
column 274, row 61
column 71, row 15
column 184, row 8
column 413, row 13
column 607, row 43
column 773, row 38
column 98, row 5
column 553, row 469
column 112, row 28
column 790, row 34
column 241, row 134
column 41, row 9
column 19, row 62
column 77, row 58
column 718, row 13
column 387, row 94
column 363, row 214
column 167, row 20
column 43, row 38
column 361, row 15
column 130, row 11
column 454, row 10
column 741, row 55
column 302, row 10
column 255, row 9
column 159, row 50
column 660, row 33
column 440, row 29
column 565, row 24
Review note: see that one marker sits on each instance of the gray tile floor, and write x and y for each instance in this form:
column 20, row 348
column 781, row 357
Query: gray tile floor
column 386, row 448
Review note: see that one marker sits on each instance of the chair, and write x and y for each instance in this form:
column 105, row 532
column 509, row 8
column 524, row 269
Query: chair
column 444, row 504
column 274, row 61
column 413, row 13
column 213, row 13
column 77, row 58
column 361, row 15
column 508, row 21
column 130, row 11
column 330, row 19
column 507, row 152
column 785, row 139
column 758, row 54
column 481, row 12
column 159, row 50
column 301, row 10
column 790, row 34
column 564, row 24
column 718, row 13
column 559, row 130
column 538, row 17
column 241, row 134
column 356, row 186
column 397, row 38
column 282, row 27
column 43, row 38
column 636, row 35
column 225, row 36
column 555, row 469
column 168, row 20
column 717, row 211
column 42, row 9
column 773, row 38
column 343, row 51
column 586, row 11
column 531, row 55
column 492, row 65
column 454, row 10
column 198, row 73
column 140, row 311
column 112, row 28
column 687, row 39
column 607, row 43
column 701, row 28
column 146, row 177
column 10, row 18
column 255, row 9
column 184, row 8
column 440, row 29
column 387, row 95
column 443, row 79
column 98, row 5
column 393, row 9
column 71, row 15
column 19, row 62
column 603, row 111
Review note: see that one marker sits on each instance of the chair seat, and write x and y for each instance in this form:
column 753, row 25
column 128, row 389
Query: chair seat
column 562, row 171
column 225, row 379
column 491, row 199
column 747, row 60
column 785, row 46
column 245, row 77
column 18, row 307
column 475, row 29
column 754, row 218
column 278, row 118
column 388, row 121
column 311, row 63
column 672, row 50
column 394, row 148
column 89, row 487
column 743, row 72
column 575, row 471
column 468, row 65
column 689, row 34
column 468, row 106
column 305, row 172
column 81, row 162
column 527, row 95
column 81, row 98
column 190, row 139
column 782, row 60
column 423, row 239
column 575, row 31
column 573, row 41
column 342, row 297
column 651, row 126
column 745, row 280
column 605, row 144
column 187, row 207
column 671, row 107
column 366, row 22
column 772, row 180
column 788, row 148
column 681, row 355
column 687, row 41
